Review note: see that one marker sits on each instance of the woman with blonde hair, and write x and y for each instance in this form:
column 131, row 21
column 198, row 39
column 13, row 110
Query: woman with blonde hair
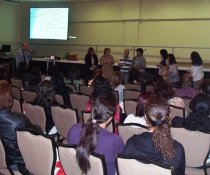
column 107, row 62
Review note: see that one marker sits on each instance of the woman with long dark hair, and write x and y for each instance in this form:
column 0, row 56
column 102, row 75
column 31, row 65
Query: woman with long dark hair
column 196, row 70
column 157, row 144
column 173, row 71
column 91, row 62
column 93, row 137
column 163, row 65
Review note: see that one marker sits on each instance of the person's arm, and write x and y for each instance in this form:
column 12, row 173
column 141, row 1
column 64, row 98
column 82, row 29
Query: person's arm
column 118, row 145
column 102, row 60
column 111, row 59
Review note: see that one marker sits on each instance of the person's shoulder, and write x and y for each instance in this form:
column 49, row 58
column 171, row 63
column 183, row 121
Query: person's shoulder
column 76, row 126
column 178, row 146
column 20, row 119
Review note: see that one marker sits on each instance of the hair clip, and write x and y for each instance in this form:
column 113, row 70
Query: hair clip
column 94, row 121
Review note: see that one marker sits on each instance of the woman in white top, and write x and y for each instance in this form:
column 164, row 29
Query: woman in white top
column 196, row 70
column 173, row 71
column 139, row 116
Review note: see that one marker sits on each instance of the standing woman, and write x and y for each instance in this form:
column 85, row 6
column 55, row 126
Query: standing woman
column 173, row 71
column 91, row 62
column 157, row 144
column 196, row 70
column 163, row 65
column 93, row 137
column 107, row 62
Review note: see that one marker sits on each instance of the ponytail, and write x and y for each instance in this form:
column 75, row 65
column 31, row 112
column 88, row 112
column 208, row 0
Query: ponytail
column 86, row 146
column 102, row 110
column 157, row 111
column 163, row 141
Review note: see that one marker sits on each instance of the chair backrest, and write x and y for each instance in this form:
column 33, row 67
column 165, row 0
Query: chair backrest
column 196, row 145
column 87, row 90
column 59, row 99
column 38, row 151
column 28, row 96
column 126, row 165
column 186, row 103
column 79, row 102
column 35, row 114
column 2, row 156
column 133, row 86
column 16, row 107
column 67, row 156
column 16, row 92
column 130, row 106
column 131, row 94
column 87, row 115
column 64, row 119
column 177, row 111
column 17, row 83
column 127, row 130
column 72, row 86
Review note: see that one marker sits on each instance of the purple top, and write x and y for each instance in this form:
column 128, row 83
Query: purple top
column 186, row 92
column 108, row 144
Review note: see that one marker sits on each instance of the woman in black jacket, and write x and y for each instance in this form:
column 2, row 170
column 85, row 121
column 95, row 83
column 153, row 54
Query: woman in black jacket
column 157, row 144
column 9, row 122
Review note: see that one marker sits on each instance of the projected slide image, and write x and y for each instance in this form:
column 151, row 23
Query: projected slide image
column 49, row 23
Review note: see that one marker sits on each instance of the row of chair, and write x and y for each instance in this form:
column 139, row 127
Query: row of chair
column 196, row 145
column 39, row 154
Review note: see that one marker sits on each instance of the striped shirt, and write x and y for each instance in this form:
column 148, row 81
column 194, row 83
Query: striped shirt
column 125, row 64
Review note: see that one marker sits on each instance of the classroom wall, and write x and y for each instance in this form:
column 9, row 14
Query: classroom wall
column 180, row 26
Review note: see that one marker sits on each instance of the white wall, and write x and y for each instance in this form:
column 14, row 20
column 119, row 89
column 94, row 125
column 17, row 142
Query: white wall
column 180, row 26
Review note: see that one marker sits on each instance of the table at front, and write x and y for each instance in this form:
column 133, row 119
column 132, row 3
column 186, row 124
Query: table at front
column 65, row 65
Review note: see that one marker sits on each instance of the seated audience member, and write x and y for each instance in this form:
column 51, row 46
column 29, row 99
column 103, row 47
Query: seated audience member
column 173, row 71
column 45, row 98
column 97, row 72
column 21, row 72
column 2, row 74
column 93, row 137
column 157, row 144
column 57, row 81
column 33, row 78
column 139, row 116
column 102, row 88
column 117, row 86
column 186, row 90
column 205, row 87
column 164, row 89
column 75, row 78
column 7, row 75
column 9, row 122
column 198, row 119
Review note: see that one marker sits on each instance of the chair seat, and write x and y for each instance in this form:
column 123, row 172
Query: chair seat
column 195, row 171
column 4, row 171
